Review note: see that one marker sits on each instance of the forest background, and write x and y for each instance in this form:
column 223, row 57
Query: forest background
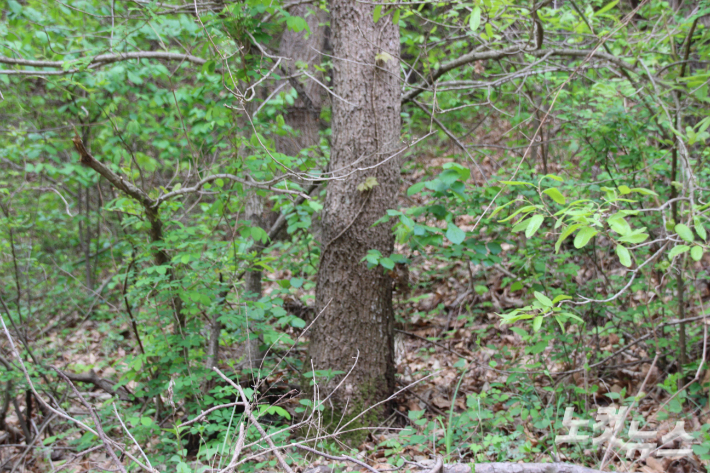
column 262, row 235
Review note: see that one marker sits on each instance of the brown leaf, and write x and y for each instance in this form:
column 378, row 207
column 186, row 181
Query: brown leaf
column 441, row 402
column 654, row 465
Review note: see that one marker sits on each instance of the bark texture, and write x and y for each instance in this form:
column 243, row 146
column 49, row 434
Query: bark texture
column 304, row 48
column 355, row 303
column 248, row 351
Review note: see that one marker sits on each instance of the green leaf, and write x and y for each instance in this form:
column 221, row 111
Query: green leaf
column 544, row 300
column 684, row 232
column 635, row 237
column 571, row 316
column 489, row 30
column 369, row 183
column 534, row 225
column 297, row 24
column 624, row 255
column 619, row 224
column 537, row 323
column 561, row 297
column 606, row 7
column 387, row 263
column 377, row 14
column 500, row 207
column 135, row 78
column 643, row 191
column 696, row 253
column 395, row 17
column 568, row 231
column 520, row 226
column 297, row 282
column 624, row 190
column 699, row 228
column 516, row 183
column 677, row 250
column 555, row 195
column 475, row 21
column 527, row 208
column 583, row 237
column 415, row 188
column 455, row 234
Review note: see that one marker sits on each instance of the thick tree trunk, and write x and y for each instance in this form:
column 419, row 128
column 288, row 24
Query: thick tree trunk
column 355, row 303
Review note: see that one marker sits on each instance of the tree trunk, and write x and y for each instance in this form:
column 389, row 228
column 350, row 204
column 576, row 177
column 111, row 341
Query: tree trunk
column 251, row 356
column 303, row 115
column 355, row 303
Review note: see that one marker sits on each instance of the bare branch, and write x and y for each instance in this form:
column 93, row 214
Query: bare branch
column 95, row 62
column 123, row 185
column 92, row 378
column 340, row 458
column 231, row 177
column 510, row 51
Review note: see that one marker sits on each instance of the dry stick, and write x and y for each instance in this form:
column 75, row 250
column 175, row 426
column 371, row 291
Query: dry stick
column 102, row 383
column 294, row 444
column 97, row 422
column 438, row 466
column 23, row 339
column 21, row 419
column 29, row 446
column 128, row 432
column 702, row 360
column 340, row 458
column 237, row 450
column 250, row 415
column 295, row 342
column 134, row 325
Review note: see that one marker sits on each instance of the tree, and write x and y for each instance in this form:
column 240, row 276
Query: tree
column 353, row 303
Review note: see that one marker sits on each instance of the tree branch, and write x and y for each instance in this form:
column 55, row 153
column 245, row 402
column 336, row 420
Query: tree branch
column 100, row 60
column 512, row 50
column 123, row 185
column 231, row 177
column 92, row 378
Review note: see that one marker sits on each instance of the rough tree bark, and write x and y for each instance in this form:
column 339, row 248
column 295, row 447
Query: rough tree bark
column 355, row 303
column 303, row 47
